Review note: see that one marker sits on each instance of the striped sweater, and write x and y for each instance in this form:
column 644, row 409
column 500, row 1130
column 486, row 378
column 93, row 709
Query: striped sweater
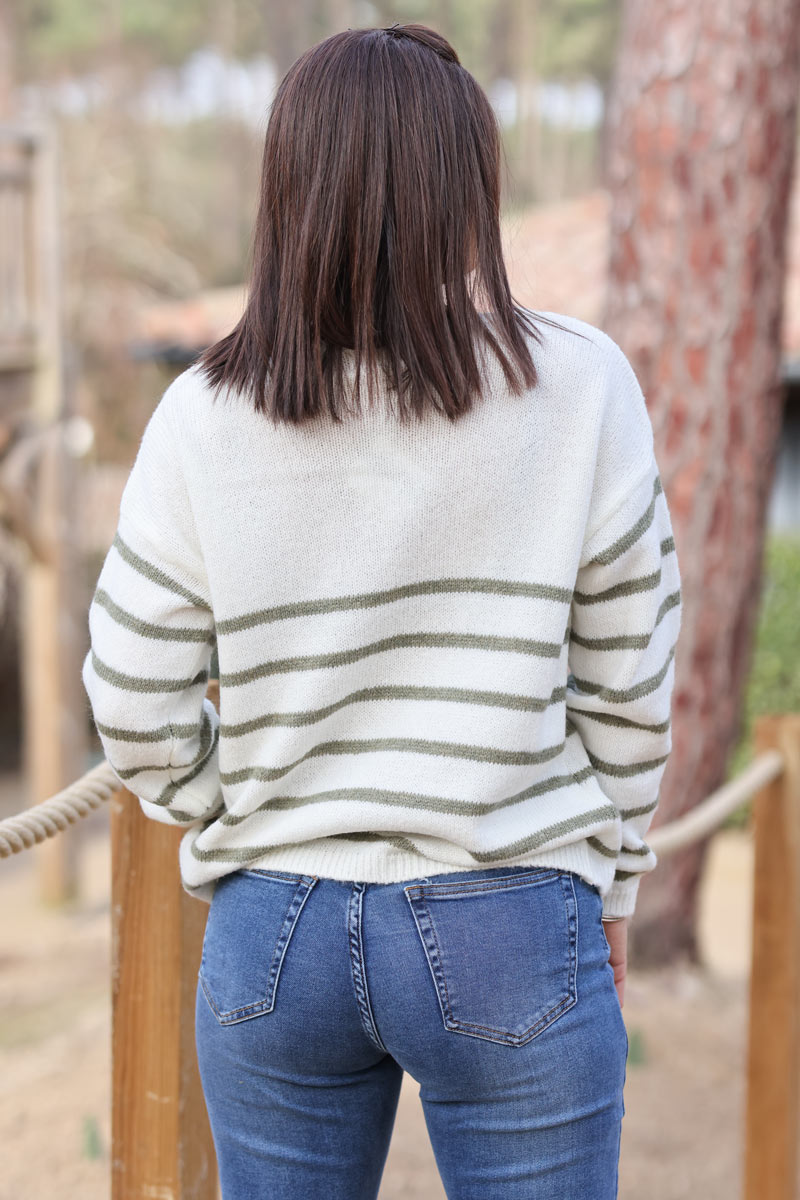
column 440, row 646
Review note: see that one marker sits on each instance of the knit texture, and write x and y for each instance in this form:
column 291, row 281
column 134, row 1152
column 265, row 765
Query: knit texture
column 441, row 646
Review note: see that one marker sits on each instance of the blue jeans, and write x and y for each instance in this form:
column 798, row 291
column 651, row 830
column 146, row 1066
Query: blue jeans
column 491, row 988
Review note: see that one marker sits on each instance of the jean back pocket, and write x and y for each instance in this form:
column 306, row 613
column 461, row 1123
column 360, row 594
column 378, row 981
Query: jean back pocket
column 502, row 950
column 252, row 917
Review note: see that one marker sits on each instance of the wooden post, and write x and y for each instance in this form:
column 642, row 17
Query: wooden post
column 161, row 1139
column 53, row 619
column 773, row 1065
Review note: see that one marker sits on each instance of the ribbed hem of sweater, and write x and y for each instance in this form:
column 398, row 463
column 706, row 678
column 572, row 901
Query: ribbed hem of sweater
column 384, row 863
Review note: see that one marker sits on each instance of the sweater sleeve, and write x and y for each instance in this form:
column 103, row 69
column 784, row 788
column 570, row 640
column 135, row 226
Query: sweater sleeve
column 624, row 624
column 152, row 636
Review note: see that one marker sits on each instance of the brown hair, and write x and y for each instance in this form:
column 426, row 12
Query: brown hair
column 379, row 214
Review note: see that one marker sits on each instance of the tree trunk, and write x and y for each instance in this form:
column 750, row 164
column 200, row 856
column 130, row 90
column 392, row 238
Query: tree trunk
column 702, row 138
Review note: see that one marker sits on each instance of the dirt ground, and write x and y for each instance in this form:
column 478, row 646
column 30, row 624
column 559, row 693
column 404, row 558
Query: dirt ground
column 684, row 1097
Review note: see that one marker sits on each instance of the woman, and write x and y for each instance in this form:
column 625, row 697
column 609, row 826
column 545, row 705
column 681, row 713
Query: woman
column 423, row 532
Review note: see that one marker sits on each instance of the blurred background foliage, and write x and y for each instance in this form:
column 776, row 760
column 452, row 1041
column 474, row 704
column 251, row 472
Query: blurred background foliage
column 773, row 684
column 161, row 111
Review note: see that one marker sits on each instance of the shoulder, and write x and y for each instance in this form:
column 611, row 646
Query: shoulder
column 585, row 348
column 185, row 409
column 184, row 392
column 576, row 339
column 577, row 362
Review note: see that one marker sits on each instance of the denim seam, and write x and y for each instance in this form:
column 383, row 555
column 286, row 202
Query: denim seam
column 518, row 876
column 283, row 876
column 266, row 1004
column 547, row 1018
column 358, row 966
column 454, row 1021
column 459, row 889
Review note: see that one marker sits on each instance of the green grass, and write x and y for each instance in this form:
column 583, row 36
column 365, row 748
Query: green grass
column 773, row 685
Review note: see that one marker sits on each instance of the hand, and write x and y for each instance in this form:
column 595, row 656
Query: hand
column 617, row 937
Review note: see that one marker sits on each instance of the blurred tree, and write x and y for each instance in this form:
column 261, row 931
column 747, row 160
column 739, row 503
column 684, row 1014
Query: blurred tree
column 704, row 121
column 160, row 205
column 7, row 80
column 580, row 39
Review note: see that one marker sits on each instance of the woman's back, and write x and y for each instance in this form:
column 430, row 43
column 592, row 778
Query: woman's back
column 446, row 657
column 422, row 667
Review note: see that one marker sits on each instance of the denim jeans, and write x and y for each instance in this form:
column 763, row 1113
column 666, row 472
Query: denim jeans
column 491, row 988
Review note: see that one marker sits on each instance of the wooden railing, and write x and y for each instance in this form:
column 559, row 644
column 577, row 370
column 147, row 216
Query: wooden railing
column 161, row 1139
column 773, row 1056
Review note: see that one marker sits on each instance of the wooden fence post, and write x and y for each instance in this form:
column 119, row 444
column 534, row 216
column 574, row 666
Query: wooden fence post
column 161, row 1140
column 773, row 1065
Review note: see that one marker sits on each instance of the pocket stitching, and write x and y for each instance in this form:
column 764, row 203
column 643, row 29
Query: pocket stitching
column 245, row 1012
column 451, row 1022
column 282, row 876
column 457, row 888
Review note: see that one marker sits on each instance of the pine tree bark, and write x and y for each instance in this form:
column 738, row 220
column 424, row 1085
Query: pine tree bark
column 702, row 140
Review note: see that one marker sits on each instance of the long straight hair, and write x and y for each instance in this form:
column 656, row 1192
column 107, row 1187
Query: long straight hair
column 378, row 226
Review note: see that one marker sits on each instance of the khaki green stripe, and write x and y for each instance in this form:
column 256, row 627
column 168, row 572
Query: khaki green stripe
column 155, row 574
column 407, row 845
column 621, row 722
column 162, row 733
column 425, row 587
column 620, row 641
column 626, row 770
column 633, row 641
column 601, row 847
column 244, row 854
column 392, row 839
column 622, row 695
column 202, row 754
column 165, row 798
column 642, row 810
column 514, row 849
column 538, row 838
column 670, row 601
column 147, row 628
column 437, row 804
column 338, row 658
column 632, row 535
column 396, row 692
column 486, row 754
column 298, row 719
column 628, row 587
column 133, row 683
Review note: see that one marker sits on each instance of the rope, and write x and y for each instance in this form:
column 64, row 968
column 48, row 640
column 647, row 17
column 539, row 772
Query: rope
column 709, row 814
column 54, row 815
column 98, row 785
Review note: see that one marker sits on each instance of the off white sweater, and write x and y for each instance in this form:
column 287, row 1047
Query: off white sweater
column 440, row 647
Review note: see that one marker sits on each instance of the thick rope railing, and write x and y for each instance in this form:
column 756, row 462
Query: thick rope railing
column 52, row 816
column 707, row 816
column 153, row 979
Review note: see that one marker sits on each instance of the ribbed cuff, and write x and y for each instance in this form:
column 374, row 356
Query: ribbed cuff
column 620, row 899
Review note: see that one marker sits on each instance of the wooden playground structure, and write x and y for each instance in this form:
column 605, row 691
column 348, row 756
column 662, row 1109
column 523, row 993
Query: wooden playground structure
column 161, row 1140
